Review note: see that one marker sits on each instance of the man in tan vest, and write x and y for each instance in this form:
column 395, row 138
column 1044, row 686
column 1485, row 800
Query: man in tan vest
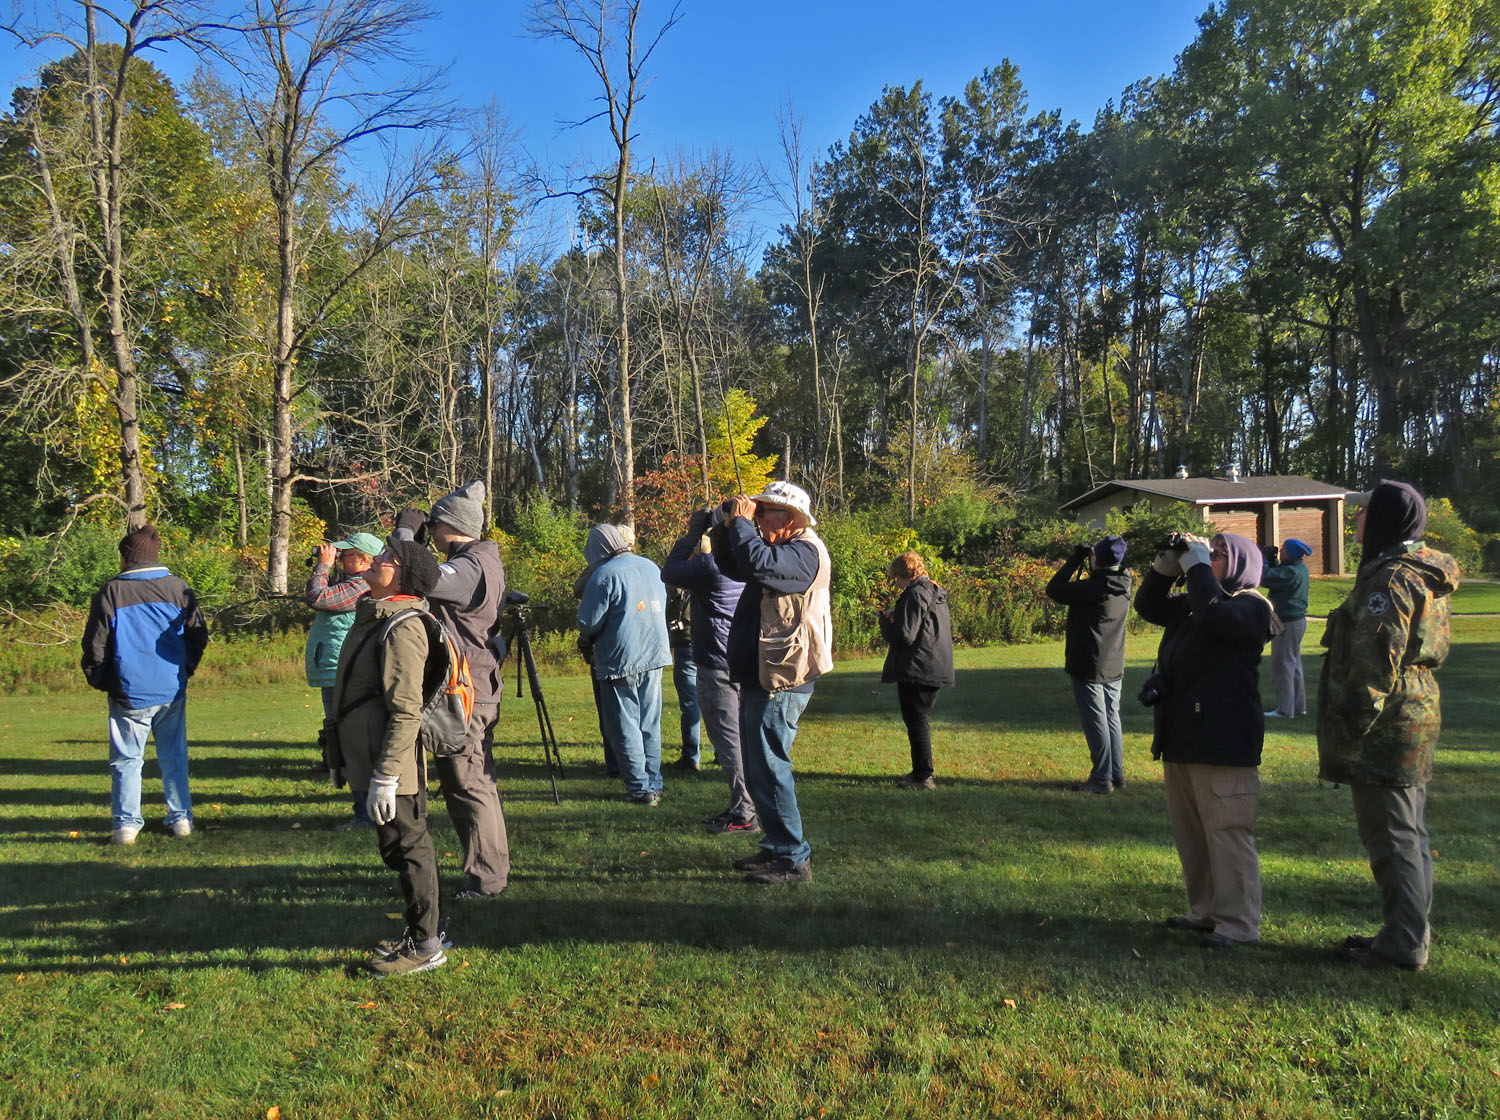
column 780, row 643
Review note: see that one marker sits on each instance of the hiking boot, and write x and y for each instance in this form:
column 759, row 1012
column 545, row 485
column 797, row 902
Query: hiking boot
column 1357, row 941
column 319, row 767
column 1177, row 921
column 649, row 798
column 352, row 824
column 688, row 764
column 180, row 828
column 913, row 782
column 1091, row 786
column 782, row 873
column 388, row 945
column 124, row 835
column 1371, row 957
column 406, row 960
column 756, row 862
column 725, row 825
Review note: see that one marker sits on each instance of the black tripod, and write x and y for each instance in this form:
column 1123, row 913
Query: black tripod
column 516, row 614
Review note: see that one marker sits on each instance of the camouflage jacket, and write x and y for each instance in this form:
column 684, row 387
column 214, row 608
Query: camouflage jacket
column 1378, row 714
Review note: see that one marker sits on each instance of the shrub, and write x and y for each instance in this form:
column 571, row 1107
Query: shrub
column 1447, row 532
column 543, row 557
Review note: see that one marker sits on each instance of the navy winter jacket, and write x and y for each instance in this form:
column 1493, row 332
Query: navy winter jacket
column 714, row 598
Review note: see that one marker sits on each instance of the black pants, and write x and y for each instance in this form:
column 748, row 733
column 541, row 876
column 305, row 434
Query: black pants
column 916, row 703
column 406, row 847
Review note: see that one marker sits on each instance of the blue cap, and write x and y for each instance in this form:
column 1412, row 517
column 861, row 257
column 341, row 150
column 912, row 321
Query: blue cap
column 1295, row 549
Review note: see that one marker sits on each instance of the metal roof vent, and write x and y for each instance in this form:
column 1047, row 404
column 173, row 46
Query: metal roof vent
column 1182, row 471
column 1232, row 475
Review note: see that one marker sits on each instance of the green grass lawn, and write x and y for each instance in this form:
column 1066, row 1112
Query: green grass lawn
column 1474, row 596
column 992, row 948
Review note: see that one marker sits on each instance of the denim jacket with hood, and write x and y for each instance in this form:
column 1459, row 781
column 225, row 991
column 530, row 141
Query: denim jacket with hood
column 624, row 608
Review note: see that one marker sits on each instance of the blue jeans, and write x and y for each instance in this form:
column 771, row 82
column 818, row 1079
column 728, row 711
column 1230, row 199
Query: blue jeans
column 1099, row 707
column 768, row 725
column 685, row 680
column 630, row 710
column 128, row 729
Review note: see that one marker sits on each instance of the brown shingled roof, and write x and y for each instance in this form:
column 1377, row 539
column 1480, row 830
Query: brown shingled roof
column 1218, row 491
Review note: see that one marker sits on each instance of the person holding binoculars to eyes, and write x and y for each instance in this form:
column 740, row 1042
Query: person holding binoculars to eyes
column 1205, row 696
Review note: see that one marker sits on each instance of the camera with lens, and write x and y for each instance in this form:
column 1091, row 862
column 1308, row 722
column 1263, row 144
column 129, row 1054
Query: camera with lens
column 720, row 514
column 515, row 604
column 1174, row 543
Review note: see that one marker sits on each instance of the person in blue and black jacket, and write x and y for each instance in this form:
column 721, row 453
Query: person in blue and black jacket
column 144, row 639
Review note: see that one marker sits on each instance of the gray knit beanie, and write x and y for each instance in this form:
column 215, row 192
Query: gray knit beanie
column 463, row 509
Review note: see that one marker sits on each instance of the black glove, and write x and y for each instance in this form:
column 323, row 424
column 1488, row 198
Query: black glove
column 414, row 519
column 1272, row 555
column 698, row 523
column 1082, row 553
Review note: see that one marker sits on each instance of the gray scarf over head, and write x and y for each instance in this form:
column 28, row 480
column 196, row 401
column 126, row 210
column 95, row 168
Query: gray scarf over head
column 1242, row 569
column 605, row 540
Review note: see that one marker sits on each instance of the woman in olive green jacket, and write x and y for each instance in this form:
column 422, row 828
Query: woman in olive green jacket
column 378, row 694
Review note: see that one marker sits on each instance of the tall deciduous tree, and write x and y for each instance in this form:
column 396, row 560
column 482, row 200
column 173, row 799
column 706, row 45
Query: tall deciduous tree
column 108, row 168
column 313, row 96
column 1371, row 131
column 609, row 37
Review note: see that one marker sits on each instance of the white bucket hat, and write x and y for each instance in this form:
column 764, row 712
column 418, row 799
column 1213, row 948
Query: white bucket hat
column 784, row 495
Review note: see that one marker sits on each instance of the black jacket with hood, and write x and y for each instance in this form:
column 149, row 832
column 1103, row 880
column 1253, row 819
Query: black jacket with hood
column 1097, row 610
column 920, row 632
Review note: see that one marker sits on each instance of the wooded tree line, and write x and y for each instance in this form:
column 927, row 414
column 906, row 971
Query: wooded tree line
column 302, row 284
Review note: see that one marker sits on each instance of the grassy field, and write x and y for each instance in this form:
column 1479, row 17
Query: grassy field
column 1474, row 596
column 993, row 948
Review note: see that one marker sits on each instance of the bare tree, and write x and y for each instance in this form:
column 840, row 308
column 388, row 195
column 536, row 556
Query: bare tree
column 799, row 197
column 311, row 99
column 606, row 34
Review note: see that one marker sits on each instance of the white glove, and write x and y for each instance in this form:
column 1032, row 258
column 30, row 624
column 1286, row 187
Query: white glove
column 1167, row 564
column 380, row 802
column 1196, row 554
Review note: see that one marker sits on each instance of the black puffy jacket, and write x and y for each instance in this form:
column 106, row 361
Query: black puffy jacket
column 921, row 637
column 1210, row 653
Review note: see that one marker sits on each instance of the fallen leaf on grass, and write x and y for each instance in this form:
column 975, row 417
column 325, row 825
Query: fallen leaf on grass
column 123, row 960
column 367, row 1006
column 1137, row 954
column 176, row 1006
column 296, row 824
column 274, row 1112
column 216, row 806
column 393, row 917
column 74, row 835
column 1008, row 1004
column 650, row 1081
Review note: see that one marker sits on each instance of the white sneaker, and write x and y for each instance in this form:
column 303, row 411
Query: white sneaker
column 125, row 835
column 181, row 828
column 1274, row 715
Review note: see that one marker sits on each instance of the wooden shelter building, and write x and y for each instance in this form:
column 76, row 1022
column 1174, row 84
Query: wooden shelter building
column 1266, row 509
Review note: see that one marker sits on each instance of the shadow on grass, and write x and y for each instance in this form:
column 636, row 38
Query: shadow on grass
column 98, row 917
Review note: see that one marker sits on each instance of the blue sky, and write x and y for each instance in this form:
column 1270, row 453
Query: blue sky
column 725, row 70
